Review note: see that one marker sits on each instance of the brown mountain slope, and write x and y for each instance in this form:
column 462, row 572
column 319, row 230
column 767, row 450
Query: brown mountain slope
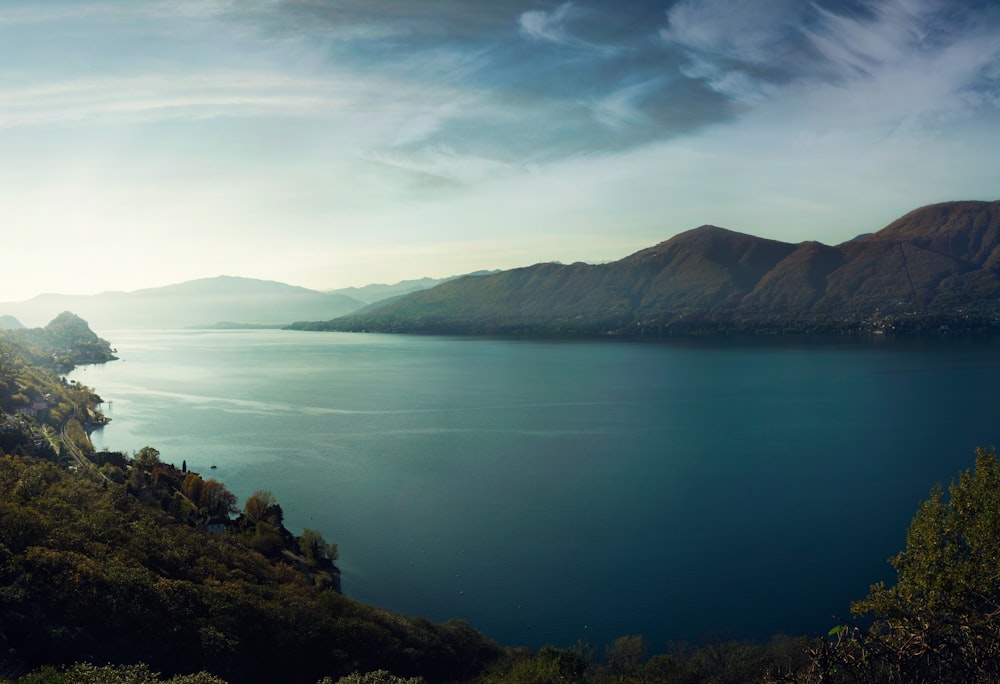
column 707, row 269
column 936, row 265
column 967, row 231
column 935, row 259
column 798, row 281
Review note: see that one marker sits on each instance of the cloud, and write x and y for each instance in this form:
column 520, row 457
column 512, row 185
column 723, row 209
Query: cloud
column 746, row 32
column 168, row 96
column 548, row 26
column 553, row 27
column 442, row 166
column 910, row 64
column 898, row 59
column 624, row 107
column 740, row 50
column 39, row 13
column 895, row 32
column 394, row 23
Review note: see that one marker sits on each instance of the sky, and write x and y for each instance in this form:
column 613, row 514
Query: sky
column 330, row 143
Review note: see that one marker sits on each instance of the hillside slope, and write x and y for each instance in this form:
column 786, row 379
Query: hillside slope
column 937, row 265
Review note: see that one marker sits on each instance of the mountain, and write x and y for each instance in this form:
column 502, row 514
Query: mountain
column 937, row 265
column 202, row 302
column 67, row 341
column 10, row 323
column 378, row 292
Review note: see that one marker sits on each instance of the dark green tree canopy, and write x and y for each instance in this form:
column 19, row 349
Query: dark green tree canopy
column 940, row 622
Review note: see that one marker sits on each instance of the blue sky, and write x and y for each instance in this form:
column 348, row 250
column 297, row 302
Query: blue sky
column 328, row 143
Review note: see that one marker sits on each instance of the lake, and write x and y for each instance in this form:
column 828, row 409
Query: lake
column 555, row 491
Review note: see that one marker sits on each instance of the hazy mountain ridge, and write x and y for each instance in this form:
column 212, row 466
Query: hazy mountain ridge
column 10, row 323
column 197, row 302
column 937, row 265
column 222, row 301
column 378, row 292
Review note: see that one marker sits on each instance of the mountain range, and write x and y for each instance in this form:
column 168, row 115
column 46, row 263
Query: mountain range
column 938, row 266
column 224, row 301
column 375, row 293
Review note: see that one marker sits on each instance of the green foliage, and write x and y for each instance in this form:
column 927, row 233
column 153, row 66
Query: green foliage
column 732, row 662
column 78, row 436
column 147, row 457
column 266, row 539
column 89, row 572
column 625, row 654
column 53, row 407
column 85, row 673
column 315, row 548
column 262, row 506
column 192, row 486
column 67, row 341
column 216, row 500
column 939, row 622
column 549, row 665
column 376, row 677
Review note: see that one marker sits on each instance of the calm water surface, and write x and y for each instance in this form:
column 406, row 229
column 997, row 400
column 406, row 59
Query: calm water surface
column 553, row 491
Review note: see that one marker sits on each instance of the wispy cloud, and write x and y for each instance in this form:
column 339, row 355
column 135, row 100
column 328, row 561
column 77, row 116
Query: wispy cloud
column 745, row 32
column 896, row 31
column 554, row 27
column 909, row 57
column 445, row 165
column 38, row 13
column 624, row 107
column 548, row 26
column 909, row 64
column 167, row 96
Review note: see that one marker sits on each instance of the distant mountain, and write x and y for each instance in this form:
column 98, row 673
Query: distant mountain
column 206, row 301
column 370, row 294
column 10, row 323
column 936, row 266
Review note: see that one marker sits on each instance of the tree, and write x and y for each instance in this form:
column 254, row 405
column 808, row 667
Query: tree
column 263, row 506
column 191, row 487
column 625, row 655
column 315, row 548
column 376, row 677
column 7, row 365
column 941, row 620
column 147, row 456
column 217, row 501
column 266, row 539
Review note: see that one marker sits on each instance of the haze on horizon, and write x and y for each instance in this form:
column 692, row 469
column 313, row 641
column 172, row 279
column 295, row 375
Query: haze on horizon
column 329, row 143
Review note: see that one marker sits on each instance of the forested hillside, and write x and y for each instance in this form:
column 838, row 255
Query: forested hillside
column 67, row 341
column 92, row 570
column 936, row 268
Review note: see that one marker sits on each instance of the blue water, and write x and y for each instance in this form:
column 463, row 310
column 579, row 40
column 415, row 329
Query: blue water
column 550, row 491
